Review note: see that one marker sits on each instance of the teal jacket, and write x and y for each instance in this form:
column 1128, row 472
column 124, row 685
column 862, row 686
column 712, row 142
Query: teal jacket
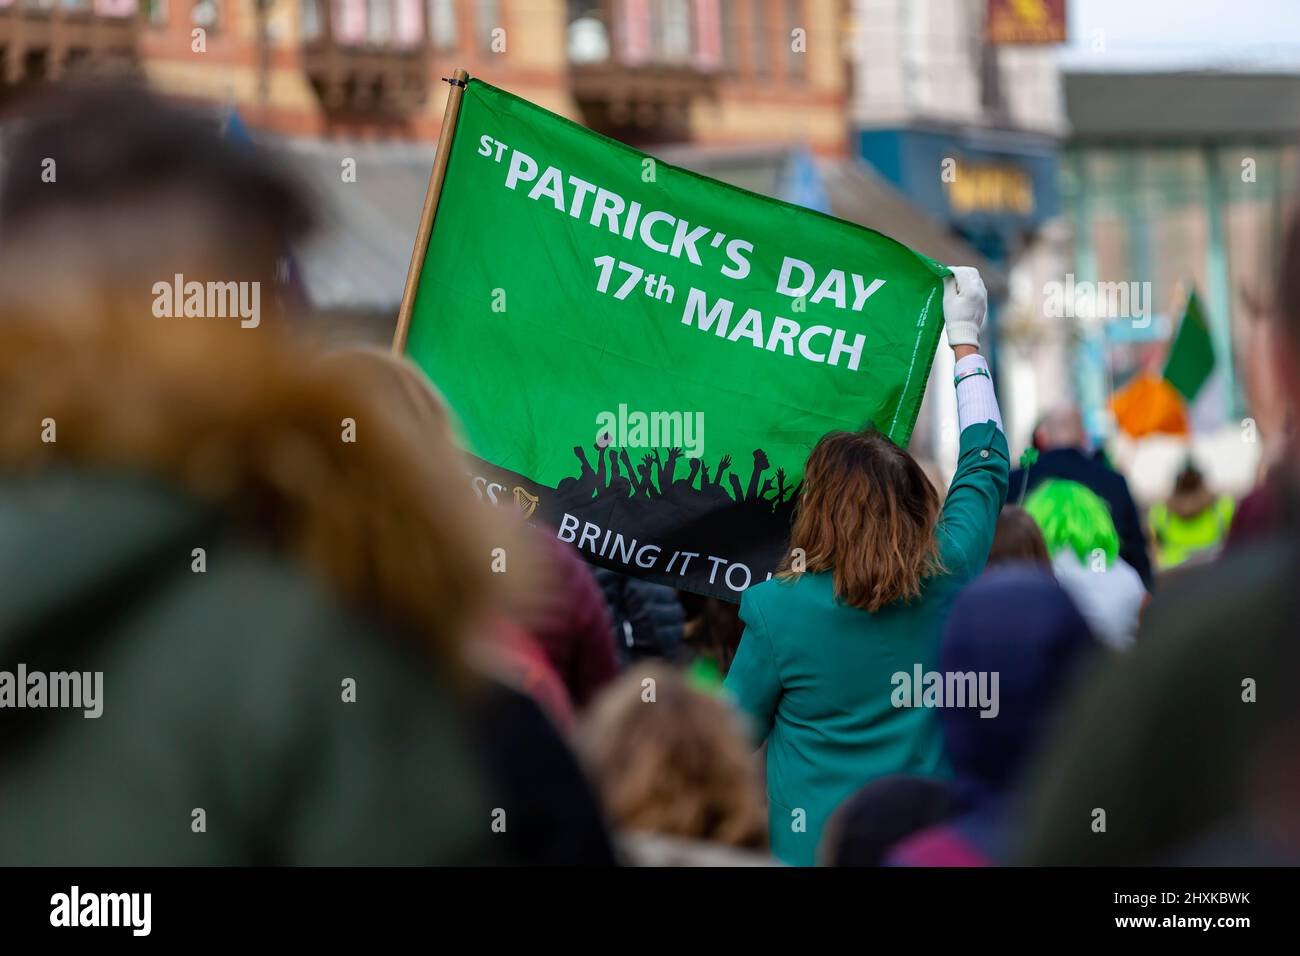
column 815, row 676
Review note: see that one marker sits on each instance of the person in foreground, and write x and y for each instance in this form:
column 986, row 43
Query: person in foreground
column 861, row 600
column 263, row 630
column 279, row 651
column 517, row 712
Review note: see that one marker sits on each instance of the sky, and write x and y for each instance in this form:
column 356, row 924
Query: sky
column 1198, row 34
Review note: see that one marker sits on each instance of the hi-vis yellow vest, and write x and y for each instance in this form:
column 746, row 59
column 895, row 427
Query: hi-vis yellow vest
column 1180, row 539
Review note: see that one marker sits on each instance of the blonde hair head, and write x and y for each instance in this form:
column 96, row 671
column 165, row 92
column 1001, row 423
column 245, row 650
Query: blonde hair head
column 677, row 765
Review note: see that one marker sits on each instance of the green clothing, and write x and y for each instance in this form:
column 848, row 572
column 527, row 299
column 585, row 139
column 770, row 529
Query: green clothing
column 816, row 676
column 222, row 691
column 704, row 675
column 1179, row 539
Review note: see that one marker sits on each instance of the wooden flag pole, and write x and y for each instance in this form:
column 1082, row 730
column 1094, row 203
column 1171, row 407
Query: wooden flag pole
column 440, row 159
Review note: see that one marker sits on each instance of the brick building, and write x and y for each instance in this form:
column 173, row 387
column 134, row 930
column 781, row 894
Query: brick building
column 647, row 71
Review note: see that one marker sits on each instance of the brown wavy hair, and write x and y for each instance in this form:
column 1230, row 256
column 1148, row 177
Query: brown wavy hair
column 678, row 765
column 868, row 515
column 251, row 423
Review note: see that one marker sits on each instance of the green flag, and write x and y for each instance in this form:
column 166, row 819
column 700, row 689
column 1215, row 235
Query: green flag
column 1191, row 357
column 641, row 357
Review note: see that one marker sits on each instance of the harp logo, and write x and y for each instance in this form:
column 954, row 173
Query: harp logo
column 527, row 503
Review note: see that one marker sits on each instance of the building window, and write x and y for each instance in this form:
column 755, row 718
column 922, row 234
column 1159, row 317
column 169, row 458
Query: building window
column 309, row 19
column 796, row 61
column 674, row 33
column 379, row 22
column 990, row 78
column 759, row 37
column 989, row 74
column 729, row 27
column 442, row 24
column 408, row 24
column 204, row 13
column 588, row 36
column 487, row 17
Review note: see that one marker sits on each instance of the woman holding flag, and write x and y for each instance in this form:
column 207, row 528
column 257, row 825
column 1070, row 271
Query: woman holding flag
column 830, row 647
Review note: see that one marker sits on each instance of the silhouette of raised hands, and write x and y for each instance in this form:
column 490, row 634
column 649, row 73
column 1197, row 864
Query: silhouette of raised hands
column 736, row 491
column 582, row 457
column 653, row 475
column 760, row 465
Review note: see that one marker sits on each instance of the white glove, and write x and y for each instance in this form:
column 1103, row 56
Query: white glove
column 965, row 303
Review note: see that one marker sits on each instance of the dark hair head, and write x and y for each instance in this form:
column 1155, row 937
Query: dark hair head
column 116, row 146
column 128, row 189
column 883, row 813
column 1018, row 539
column 1190, row 481
column 867, row 514
column 713, row 628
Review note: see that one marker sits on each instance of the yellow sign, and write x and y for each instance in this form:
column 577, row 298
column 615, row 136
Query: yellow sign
column 1014, row 22
column 990, row 189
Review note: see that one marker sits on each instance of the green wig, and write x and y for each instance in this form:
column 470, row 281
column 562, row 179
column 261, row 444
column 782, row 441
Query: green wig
column 1071, row 516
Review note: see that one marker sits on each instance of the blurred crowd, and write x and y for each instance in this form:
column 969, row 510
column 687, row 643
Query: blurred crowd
column 312, row 634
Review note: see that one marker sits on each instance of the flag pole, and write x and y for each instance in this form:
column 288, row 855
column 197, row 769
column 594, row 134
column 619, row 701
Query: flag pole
column 458, row 81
